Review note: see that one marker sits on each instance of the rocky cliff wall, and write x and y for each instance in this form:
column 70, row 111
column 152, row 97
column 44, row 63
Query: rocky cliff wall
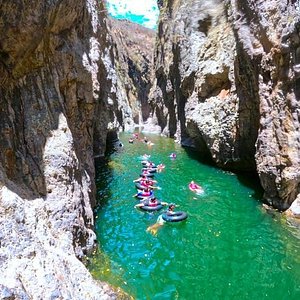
column 59, row 98
column 227, row 83
column 133, row 52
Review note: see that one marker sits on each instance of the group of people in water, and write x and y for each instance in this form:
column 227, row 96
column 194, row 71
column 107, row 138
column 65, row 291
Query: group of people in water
column 136, row 137
column 146, row 185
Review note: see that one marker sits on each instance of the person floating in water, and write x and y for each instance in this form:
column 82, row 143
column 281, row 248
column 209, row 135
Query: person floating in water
column 147, row 192
column 173, row 155
column 152, row 202
column 147, row 184
column 160, row 167
column 194, row 187
column 145, row 180
column 160, row 221
column 146, row 156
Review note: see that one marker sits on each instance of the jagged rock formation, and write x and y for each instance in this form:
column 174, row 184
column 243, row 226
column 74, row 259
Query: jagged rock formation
column 227, row 83
column 133, row 47
column 58, row 102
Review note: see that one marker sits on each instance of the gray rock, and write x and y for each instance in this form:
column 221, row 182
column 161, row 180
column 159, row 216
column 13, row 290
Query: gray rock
column 60, row 97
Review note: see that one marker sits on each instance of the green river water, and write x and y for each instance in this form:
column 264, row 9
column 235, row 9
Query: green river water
column 228, row 248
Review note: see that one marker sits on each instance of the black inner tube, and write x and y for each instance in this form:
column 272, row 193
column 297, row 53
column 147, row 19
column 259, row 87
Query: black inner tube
column 150, row 170
column 144, row 163
column 148, row 175
column 151, row 208
column 175, row 217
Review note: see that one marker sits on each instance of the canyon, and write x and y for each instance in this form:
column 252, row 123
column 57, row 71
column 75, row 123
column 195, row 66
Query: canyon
column 225, row 81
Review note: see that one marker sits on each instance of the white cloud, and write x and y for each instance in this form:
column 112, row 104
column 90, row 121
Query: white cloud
column 125, row 8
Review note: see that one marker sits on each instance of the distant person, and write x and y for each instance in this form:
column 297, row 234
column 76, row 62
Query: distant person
column 173, row 155
column 194, row 187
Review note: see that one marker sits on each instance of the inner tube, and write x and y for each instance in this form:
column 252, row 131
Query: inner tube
column 144, row 163
column 147, row 207
column 143, row 196
column 150, row 170
column 175, row 217
column 140, row 187
column 147, row 175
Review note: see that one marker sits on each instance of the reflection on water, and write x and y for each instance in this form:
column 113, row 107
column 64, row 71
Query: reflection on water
column 228, row 248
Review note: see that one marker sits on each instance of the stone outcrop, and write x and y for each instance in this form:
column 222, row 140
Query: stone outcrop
column 133, row 48
column 59, row 99
column 227, row 83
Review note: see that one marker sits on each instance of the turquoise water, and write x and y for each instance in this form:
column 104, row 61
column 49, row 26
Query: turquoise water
column 228, row 248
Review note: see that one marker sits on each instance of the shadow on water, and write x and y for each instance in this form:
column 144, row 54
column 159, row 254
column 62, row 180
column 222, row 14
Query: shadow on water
column 251, row 180
column 203, row 159
column 104, row 176
column 246, row 178
column 104, row 173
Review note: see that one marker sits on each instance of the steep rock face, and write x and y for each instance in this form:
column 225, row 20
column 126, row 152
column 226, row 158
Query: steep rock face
column 227, row 83
column 58, row 101
column 133, row 47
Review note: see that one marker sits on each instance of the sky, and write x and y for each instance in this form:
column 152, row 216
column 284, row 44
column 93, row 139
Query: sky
column 144, row 12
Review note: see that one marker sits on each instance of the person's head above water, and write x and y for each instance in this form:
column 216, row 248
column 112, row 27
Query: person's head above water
column 171, row 206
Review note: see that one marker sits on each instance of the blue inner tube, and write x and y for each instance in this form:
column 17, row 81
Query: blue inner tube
column 148, row 175
column 177, row 216
column 152, row 170
column 147, row 207
column 140, row 196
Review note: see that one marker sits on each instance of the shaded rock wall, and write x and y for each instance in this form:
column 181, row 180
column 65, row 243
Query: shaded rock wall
column 133, row 48
column 58, row 101
column 227, row 84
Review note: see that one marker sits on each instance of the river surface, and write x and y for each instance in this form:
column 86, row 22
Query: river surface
column 228, row 248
